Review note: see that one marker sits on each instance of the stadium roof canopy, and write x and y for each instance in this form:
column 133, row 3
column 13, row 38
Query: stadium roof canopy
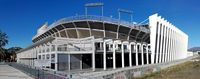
column 125, row 29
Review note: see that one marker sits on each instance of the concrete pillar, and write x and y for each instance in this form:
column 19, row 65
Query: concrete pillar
column 114, row 57
column 50, row 53
column 104, row 55
column 69, row 64
column 170, row 45
column 158, row 43
column 164, row 42
column 176, row 47
column 93, row 61
column 136, row 55
column 81, row 62
column 161, row 44
column 167, row 45
column 56, row 55
column 171, row 54
column 56, row 61
column 130, row 55
column 147, row 53
column 93, row 56
column 122, row 48
column 172, row 48
column 142, row 53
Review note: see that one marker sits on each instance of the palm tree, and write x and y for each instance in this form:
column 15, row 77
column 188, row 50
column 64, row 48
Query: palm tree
column 3, row 42
column 3, row 39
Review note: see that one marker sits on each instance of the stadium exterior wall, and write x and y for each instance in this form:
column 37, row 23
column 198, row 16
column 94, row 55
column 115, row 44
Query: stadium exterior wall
column 168, row 43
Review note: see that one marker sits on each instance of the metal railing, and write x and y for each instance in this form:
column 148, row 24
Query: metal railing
column 98, row 18
column 74, row 49
column 37, row 73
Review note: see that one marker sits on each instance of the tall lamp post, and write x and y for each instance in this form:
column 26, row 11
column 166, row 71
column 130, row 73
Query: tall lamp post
column 129, row 12
column 93, row 5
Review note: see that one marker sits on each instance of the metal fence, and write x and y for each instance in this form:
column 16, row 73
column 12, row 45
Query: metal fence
column 38, row 73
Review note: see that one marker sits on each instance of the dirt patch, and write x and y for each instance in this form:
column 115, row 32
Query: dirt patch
column 187, row 70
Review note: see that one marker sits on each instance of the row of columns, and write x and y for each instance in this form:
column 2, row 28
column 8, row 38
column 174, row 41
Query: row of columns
column 169, row 44
column 129, row 47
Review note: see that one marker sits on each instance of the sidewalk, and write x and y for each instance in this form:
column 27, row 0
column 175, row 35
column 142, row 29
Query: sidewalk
column 8, row 72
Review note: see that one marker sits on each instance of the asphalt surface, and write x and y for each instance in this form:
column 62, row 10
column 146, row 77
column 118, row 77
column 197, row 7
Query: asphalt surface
column 8, row 72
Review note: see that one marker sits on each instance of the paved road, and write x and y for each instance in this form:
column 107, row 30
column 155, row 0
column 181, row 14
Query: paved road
column 8, row 72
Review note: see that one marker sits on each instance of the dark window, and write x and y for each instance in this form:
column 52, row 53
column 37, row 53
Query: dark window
column 159, row 50
column 39, row 56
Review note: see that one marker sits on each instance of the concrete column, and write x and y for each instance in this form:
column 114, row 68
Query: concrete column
column 114, row 57
column 172, row 46
column 136, row 55
column 167, row 45
column 56, row 61
column 164, row 42
column 122, row 48
column 147, row 53
column 172, row 55
column 104, row 55
column 69, row 64
column 161, row 44
column 93, row 61
column 175, row 46
column 158, row 43
column 56, row 56
column 81, row 62
column 50, row 53
column 93, row 56
column 142, row 53
column 130, row 55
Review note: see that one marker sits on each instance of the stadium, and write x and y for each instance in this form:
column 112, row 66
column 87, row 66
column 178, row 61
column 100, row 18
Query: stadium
column 90, row 42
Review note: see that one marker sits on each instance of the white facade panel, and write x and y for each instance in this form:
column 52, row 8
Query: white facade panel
column 166, row 44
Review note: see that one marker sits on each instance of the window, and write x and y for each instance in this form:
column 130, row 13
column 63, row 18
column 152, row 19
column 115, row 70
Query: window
column 39, row 56
column 48, row 56
column 43, row 57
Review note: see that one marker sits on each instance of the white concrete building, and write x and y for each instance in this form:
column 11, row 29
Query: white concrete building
column 96, row 42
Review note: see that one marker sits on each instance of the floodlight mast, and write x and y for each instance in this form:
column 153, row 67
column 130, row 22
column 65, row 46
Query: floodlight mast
column 129, row 12
column 93, row 5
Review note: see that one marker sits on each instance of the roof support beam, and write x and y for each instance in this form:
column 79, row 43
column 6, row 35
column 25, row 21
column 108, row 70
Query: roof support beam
column 89, row 28
column 137, row 35
column 76, row 30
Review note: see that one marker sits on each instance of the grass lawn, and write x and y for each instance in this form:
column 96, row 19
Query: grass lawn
column 187, row 70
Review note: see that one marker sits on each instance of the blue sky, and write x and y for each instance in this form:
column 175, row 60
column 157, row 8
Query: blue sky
column 20, row 19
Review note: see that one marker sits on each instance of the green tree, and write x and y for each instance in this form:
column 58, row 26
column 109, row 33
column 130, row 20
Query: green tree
column 12, row 53
column 3, row 42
